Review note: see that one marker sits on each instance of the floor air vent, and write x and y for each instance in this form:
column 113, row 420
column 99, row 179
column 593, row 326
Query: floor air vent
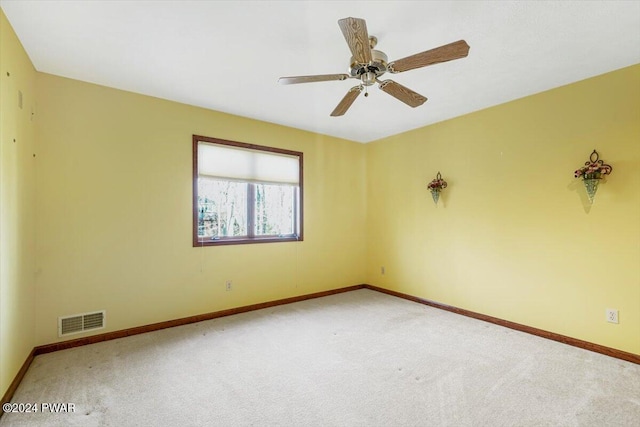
column 80, row 323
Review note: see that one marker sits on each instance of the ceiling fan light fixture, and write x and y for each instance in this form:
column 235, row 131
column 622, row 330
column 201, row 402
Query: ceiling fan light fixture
column 368, row 78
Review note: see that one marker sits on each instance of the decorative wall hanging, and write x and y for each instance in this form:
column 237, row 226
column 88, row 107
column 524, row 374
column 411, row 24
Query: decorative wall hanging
column 591, row 174
column 436, row 186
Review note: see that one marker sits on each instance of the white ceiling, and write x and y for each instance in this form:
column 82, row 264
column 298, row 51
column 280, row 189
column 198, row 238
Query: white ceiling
column 228, row 55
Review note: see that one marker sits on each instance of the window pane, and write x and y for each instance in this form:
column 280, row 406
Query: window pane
column 222, row 208
column 274, row 210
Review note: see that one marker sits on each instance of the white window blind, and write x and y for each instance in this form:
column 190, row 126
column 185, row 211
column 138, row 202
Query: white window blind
column 235, row 163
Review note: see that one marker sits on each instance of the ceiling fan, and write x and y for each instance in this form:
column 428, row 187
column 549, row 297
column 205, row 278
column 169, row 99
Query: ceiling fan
column 367, row 65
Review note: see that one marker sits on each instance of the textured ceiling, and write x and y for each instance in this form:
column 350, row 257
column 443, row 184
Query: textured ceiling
column 227, row 56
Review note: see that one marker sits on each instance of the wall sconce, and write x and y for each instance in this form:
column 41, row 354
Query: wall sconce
column 591, row 174
column 436, row 186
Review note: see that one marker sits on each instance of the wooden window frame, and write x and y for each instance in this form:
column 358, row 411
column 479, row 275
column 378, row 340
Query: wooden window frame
column 298, row 205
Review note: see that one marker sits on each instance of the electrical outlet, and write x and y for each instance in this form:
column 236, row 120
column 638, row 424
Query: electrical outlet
column 381, row 270
column 612, row 315
column 229, row 285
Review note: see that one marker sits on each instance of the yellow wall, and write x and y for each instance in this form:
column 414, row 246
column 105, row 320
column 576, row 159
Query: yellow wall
column 513, row 236
column 17, row 205
column 115, row 220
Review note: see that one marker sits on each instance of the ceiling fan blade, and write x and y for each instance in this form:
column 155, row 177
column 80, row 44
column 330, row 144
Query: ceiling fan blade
column 404, row 94
column 346, row 102
column 312, row 79
column 448, row 52
column 355, row 33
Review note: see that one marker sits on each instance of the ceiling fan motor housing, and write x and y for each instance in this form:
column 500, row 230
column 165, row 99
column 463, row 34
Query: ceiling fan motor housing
column 368, row 73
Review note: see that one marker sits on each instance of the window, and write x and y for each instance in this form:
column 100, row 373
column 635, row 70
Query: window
column 245, row 193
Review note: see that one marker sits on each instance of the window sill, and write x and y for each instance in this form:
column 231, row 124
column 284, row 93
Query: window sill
column 244, row 240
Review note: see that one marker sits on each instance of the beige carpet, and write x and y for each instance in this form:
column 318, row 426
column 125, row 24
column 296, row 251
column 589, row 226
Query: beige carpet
column 355, row 359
